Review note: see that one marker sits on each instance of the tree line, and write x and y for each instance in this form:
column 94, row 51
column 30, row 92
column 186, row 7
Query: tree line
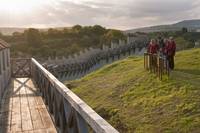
column 60, row 42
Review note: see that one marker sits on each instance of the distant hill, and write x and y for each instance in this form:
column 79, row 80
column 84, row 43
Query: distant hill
column 192, row 25
column 188, row 23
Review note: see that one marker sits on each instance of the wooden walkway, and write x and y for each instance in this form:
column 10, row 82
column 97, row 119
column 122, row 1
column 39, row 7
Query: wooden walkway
column 23, row 110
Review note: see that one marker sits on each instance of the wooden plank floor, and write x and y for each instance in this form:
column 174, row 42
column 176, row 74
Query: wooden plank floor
column 23, row 110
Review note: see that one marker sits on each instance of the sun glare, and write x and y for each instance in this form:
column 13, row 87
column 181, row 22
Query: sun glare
column 20, row 6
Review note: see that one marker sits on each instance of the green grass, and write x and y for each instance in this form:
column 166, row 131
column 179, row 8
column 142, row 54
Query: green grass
column 134, row 100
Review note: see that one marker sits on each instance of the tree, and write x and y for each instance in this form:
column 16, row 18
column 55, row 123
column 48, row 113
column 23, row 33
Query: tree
column 16, row 34
column 113, row 35
column 183, row 44
column 77, row 28
column 184, row 30
column 54, row 33
column 97, row 29
column 33, row 37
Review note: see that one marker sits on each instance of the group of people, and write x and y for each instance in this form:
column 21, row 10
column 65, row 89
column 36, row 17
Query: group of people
column 163, row 47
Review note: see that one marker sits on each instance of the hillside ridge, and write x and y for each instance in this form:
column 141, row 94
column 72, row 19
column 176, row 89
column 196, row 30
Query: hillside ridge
column 134, row 100
column 193, row 24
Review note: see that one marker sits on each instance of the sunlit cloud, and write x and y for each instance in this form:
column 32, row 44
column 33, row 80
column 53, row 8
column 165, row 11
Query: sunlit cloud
column 20, row 6
column 113, row 13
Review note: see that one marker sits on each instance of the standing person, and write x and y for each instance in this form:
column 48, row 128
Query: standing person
column 170, row 51
column 164, row 48
column 153, row 47
column 161, row 44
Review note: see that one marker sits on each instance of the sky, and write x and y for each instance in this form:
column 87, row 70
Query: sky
column 119, row 14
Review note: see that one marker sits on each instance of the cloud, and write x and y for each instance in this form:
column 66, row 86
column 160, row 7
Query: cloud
column 113, row 13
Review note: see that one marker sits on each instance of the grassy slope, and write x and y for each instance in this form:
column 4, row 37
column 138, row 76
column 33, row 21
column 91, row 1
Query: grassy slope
column 133, row 100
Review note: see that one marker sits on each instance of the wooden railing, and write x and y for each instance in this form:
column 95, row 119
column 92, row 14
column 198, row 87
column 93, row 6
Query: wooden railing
column 157, row 64
column 69, row 112
column 65, row 70
column 20, row 67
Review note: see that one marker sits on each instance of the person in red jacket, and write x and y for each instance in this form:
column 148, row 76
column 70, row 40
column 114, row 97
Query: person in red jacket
column 153, row 47
column 170, row 52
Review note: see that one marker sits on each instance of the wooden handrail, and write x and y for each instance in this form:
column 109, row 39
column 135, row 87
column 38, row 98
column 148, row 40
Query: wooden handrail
column 68, row 110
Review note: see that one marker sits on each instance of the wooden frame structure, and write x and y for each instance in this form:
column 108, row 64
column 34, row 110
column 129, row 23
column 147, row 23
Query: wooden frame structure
column 21, row 67
column 156, row 64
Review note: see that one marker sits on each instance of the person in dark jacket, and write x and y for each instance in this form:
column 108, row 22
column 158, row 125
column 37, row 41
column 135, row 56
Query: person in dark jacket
column 170, row 51
column 163, row 49
column 161, row 43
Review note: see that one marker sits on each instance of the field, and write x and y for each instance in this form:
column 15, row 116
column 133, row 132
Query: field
column 134, row 100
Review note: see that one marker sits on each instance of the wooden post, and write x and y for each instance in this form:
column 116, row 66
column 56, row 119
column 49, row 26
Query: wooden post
column 150, row 62
column 144, row 60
